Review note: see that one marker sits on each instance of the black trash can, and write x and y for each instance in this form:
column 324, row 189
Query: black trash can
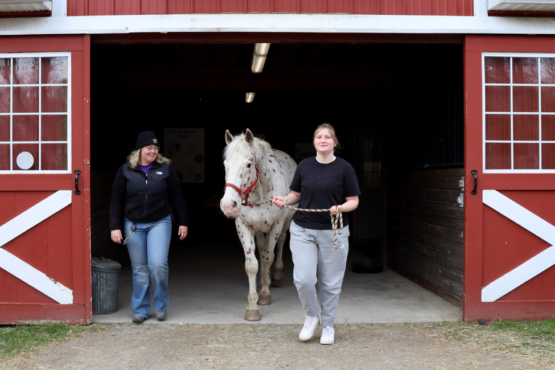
column 105, row 278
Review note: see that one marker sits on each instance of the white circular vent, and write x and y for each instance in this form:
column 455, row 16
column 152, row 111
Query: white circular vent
column 25, row 160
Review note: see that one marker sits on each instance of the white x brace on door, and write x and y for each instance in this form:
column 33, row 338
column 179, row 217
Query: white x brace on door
column 535, row 265
column 22, row 270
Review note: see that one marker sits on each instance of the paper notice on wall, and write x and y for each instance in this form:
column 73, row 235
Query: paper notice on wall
column 185, row 147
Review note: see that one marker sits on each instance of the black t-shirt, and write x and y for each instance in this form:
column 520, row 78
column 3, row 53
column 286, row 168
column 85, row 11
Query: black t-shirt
column 322, row 186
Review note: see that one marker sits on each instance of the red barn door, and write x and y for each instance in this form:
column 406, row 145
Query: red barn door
column 510, row 144
column 44, row 143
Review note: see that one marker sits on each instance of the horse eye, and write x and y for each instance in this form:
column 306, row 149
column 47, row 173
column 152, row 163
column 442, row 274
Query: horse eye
column 249, row 165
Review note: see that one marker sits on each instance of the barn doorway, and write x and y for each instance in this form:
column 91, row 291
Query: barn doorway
column 397, row 109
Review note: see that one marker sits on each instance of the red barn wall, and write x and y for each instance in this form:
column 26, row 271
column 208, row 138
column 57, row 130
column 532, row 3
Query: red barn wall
column 386, row 7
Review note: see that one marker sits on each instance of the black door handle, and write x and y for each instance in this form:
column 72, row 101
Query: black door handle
column 475, row 174
column 77, row 191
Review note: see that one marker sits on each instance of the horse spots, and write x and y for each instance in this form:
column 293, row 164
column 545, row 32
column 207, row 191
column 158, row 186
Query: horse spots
column 241, row 176
column 273, row 170
column 276, row 238
column 270, row 160
column 249, row 252
column 266, row 222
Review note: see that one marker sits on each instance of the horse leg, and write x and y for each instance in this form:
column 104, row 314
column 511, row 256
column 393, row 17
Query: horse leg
column 264, row 297
column 251, row 267
column 260, row 267
column 260, row 240
column 277, row 277
column 267, row 257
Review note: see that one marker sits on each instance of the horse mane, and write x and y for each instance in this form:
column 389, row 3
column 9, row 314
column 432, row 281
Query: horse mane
column 240, row 148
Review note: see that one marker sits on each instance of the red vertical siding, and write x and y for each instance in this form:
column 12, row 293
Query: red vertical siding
column 129, row 7
column 151, row 6
column 258, row 6
column 391, row 7
column 180, row 6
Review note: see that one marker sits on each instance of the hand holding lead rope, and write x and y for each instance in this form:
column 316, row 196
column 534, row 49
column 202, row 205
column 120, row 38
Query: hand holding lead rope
column 335, row 217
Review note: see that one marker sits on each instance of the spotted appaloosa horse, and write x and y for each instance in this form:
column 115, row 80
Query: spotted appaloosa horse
column 254, row 172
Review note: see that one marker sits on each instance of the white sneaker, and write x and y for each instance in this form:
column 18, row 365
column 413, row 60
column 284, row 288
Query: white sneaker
column 308, row 329
column 328, row 336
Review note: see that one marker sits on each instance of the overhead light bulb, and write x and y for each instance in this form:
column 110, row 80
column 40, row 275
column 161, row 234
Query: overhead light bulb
column 259, row 56
column 262, row 48
column 249, row 97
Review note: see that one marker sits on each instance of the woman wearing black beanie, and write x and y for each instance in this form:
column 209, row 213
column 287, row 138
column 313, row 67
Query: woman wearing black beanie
column 146, row 191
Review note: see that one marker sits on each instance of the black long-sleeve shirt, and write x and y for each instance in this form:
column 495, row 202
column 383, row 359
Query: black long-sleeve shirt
column 148, row 197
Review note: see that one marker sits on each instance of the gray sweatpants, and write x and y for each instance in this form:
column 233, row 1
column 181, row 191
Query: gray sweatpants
column 317, row 261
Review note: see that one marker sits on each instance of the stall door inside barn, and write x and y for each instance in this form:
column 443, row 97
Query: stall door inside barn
column 44, row 256
column 510, row 172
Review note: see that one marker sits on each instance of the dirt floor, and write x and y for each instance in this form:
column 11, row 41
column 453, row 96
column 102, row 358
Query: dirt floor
column 241, row 346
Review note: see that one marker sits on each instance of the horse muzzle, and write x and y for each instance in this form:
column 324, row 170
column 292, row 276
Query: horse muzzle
column 230, row 208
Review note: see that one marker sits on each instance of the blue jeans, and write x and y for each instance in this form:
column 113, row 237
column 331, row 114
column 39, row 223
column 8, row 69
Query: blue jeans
column 148, row 249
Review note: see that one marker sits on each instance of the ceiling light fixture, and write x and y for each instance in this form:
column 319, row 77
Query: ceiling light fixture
column 249, row 97
column 259, row 56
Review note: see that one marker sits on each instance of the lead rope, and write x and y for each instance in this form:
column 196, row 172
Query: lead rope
column 334, row 218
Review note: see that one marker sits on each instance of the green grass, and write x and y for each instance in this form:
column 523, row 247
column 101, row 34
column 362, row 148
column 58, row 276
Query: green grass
column 529, row 338
column 24, row 338
column 543, row 330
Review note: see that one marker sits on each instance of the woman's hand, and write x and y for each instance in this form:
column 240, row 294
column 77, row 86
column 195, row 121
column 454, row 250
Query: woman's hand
column 335, row 209
column 182, row 232
column 116, row 236
column 279, row 201
column 350, row 205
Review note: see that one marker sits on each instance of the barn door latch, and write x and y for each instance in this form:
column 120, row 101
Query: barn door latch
column 77, row 191
column 475, row 174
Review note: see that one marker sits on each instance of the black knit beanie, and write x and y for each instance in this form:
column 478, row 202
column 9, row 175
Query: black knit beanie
column 146, row 138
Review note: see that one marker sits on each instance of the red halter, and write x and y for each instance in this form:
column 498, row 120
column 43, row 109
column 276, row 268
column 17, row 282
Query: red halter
column 244, row 194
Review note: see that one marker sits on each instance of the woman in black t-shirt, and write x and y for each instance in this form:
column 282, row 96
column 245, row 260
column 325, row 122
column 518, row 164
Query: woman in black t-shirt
column 323, row 181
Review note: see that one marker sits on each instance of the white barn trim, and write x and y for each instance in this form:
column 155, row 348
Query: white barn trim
column 300, row 23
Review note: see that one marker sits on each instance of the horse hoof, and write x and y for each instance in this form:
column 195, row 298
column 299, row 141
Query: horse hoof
column 252, row 315
column 259, row 288
column 277, row 282
column 264, row 299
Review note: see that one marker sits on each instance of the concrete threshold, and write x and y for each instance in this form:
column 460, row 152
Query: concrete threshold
column 208, row 285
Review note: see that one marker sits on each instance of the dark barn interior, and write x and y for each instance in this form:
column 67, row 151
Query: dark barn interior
column 397, row 109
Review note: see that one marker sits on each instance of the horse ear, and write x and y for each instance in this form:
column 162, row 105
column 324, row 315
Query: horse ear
column 249, row 137
column 228, row 137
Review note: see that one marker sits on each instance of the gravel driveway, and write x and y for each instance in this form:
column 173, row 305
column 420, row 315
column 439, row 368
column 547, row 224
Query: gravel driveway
column 243, row 346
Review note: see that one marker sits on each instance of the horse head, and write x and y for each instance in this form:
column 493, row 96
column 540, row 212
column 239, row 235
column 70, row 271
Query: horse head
column 241, row 173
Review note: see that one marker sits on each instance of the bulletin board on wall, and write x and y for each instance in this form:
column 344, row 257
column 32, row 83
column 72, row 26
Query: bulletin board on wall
column 185, row 147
